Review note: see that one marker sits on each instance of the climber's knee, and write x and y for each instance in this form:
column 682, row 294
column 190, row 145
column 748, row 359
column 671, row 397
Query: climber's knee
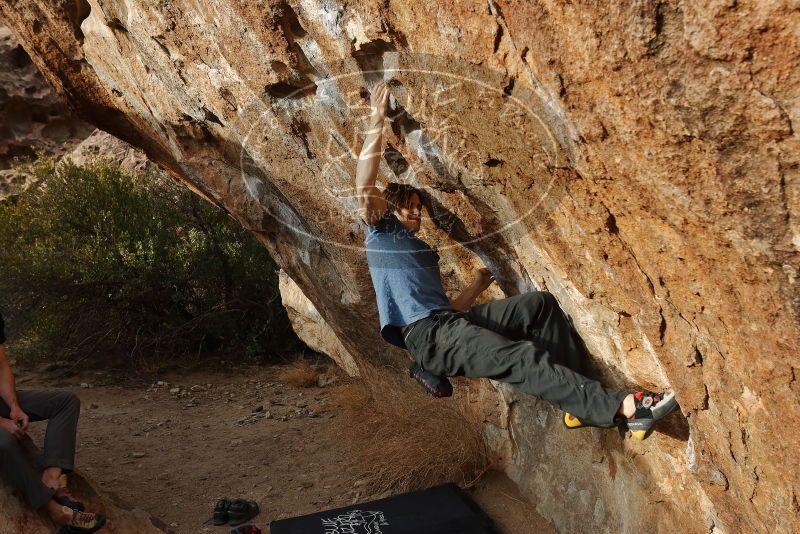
column 541, row 300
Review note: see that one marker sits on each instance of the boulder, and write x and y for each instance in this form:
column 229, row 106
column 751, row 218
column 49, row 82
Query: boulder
column 311, row 328
column 639, row 160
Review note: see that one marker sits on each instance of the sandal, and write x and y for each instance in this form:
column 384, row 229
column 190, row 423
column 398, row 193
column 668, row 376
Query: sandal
column 242, row 511
column 63, row 497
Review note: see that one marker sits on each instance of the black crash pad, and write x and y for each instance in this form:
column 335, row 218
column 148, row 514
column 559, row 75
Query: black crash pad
column 440, row 510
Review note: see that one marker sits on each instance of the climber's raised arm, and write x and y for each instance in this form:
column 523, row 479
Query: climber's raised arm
column 371, row 204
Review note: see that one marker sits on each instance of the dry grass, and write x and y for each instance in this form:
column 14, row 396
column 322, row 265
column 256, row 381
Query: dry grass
column 299, row 374
column 406, row 440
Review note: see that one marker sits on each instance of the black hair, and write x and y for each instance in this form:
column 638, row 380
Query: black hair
column 399, row 195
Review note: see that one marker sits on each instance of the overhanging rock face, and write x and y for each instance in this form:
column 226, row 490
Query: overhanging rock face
column 639, row 160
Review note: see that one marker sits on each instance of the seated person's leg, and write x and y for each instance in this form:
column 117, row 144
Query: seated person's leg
column 61, row 409
column 17, row 471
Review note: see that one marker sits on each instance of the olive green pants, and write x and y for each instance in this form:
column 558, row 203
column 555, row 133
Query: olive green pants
column 526, row 341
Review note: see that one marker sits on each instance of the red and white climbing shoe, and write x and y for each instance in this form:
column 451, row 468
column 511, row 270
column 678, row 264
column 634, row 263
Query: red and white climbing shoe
column 650, row 407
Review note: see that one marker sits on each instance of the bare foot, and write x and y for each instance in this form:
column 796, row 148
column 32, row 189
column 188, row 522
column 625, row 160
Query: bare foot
column 628, row 406
column 51, row 477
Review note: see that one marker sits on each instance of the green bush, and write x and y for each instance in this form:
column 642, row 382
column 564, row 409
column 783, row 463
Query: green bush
column 97, row 262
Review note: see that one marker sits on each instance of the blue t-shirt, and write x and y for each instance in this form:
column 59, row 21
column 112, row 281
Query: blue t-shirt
column 405, row 274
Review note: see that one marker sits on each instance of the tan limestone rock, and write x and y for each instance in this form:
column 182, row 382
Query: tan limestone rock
column 311, row 328
column 637, row 159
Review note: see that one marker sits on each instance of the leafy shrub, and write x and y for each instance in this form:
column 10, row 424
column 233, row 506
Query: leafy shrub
column 94, row 261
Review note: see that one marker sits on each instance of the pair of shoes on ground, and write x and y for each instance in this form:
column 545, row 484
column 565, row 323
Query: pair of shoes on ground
column 650, row 408
column 234, row 512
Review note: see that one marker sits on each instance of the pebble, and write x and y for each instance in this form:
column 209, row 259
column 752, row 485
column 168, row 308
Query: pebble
column 84, row 385
column 138, row 455
column 235, row 442
column 174, row 391
column 197, row 387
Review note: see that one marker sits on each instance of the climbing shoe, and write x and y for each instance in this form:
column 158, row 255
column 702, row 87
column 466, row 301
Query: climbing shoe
column 650, row 407
column 82, row 522
column 571, row 422
column 242, row 511
column 437, row 386
column 221, row 511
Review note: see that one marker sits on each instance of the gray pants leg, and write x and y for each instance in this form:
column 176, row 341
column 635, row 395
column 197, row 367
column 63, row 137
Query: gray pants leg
column 524, row 340
column 61, row 409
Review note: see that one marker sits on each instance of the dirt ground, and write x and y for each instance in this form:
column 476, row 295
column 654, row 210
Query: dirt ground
column 174, row 444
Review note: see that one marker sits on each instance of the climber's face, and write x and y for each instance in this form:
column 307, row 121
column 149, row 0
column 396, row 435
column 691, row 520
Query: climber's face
column 411, row 214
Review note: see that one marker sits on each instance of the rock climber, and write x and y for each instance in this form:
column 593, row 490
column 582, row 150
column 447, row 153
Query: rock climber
column 44, row 490
column 524, row 340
